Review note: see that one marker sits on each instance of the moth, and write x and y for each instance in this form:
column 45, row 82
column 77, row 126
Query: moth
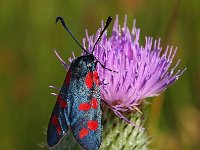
column 78, row 105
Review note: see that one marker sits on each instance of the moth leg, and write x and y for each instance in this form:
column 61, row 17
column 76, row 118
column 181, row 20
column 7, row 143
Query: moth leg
column 54, row 87
column 103, row 83
column 103, row 66
column 118, row 113
column 54, row 94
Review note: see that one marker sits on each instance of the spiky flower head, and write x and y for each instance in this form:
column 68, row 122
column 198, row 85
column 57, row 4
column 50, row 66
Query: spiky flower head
column 143, row 71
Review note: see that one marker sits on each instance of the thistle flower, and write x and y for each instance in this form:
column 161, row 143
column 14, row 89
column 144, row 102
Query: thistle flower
column 142, row 71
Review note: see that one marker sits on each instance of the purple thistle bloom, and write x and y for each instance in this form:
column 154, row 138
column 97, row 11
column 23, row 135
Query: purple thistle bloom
column 142, row 71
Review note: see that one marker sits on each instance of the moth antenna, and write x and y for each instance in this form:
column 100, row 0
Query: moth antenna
column 109, row 19
column 67, row 29
column 104, row 29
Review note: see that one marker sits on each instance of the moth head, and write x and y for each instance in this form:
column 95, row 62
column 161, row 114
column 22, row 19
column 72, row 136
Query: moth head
column 84, row 64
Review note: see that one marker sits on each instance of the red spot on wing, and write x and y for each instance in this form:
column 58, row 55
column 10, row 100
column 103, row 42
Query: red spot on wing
column 96, row 78
column 67, row 79
column 94, row 103
column 54, row 120
column 89, row 80
column 61, row 102
column 59, row 130
column 84, row 132
column 92, row 125
column 84, row 106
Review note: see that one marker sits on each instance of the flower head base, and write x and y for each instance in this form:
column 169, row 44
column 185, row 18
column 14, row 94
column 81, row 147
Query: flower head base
column 142, row 71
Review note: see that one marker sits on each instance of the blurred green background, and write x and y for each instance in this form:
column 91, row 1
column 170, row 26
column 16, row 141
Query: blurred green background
column 28, row 35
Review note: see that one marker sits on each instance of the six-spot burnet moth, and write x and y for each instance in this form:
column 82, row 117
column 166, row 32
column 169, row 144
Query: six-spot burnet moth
column 78, row 105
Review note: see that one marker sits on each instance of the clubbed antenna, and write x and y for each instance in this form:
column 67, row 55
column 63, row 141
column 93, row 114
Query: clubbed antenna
column 67, row 29
column 106, row 26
